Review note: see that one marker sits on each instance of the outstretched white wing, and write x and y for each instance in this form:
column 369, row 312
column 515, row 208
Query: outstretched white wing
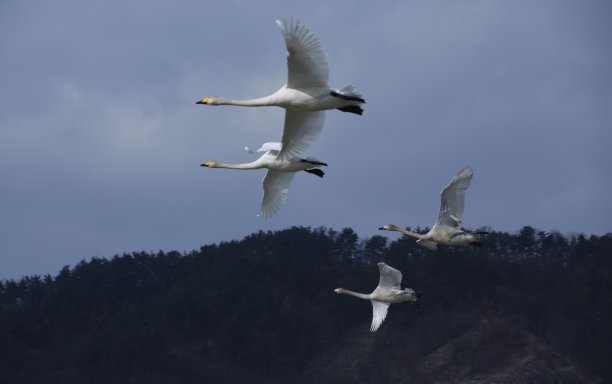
column 275, row 186
column 265, row 147
column 379, row 312
column 306, row 61
column 301, row 130
column 389, row 276
column 453, row 197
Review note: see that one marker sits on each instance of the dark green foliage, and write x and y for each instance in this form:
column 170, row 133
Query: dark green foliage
column 262, row 310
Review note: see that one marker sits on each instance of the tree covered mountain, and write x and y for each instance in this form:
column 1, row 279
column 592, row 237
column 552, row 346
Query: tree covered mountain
column 525, row 307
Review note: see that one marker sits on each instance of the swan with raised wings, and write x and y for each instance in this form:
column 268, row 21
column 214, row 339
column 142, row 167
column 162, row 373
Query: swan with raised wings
column 306, row 95
column 279, row 176
column 446, row 230
column 387, row 292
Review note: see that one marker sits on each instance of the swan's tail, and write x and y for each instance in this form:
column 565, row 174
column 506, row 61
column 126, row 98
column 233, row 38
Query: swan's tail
column 349, row 93
column 475, row 231
column 313, row 161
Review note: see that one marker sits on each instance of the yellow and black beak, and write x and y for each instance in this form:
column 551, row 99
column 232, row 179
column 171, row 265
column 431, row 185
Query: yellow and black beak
column 203, row 101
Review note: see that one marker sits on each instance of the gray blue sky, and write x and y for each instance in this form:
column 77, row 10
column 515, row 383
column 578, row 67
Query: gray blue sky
column 101, row 140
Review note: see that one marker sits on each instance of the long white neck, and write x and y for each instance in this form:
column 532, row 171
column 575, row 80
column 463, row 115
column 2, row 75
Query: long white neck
column 259, row 102
column 392, row 227
column 253, row 165
column 409, row 233
column 356, row 294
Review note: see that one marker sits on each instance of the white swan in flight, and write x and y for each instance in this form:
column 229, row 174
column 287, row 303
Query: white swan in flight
column 278, row 178
column 306, row 94
column 388, row 292
column 446, row 230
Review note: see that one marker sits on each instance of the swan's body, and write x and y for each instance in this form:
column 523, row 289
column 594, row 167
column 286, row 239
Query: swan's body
column 387, row 292
column 446, row 230
column 306, row 94
column 279, row 176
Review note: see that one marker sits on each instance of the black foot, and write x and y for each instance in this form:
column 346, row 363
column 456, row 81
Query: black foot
column 317, row 172
column 352, row 109
column 476, row 244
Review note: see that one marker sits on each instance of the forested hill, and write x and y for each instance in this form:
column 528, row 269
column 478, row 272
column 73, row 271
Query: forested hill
column 525, row 307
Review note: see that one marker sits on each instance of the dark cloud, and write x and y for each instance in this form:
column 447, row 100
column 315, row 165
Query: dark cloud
column 100, row 139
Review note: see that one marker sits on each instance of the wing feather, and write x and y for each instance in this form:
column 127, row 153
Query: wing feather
column 453, row 197
column 389, row 277
column 300, row 131
column 307, row 66
column 379, row 313
column 275, row 186
column 271, row 145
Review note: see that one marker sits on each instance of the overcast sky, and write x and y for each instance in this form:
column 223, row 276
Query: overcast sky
column 101, row 139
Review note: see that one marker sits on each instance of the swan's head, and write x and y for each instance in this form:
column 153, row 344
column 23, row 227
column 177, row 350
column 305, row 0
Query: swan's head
column 339, row 290
column 210, row 100
column 389, row 227
column 209, row 164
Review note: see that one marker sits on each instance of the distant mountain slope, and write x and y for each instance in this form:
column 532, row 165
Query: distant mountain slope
column 474, row 350
column 525, row 307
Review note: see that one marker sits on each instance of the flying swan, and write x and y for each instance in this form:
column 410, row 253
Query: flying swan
column 278, row 178
column 306, row 95
column 388, row 292
column 446, row 230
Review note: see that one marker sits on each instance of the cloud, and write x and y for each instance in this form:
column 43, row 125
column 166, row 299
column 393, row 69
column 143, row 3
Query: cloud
column 101, row 140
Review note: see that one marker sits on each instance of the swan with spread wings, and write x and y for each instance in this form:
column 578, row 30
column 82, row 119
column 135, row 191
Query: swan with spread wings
column 306, row 95
column 279, row 176
column 447, row 228
column 388, row 291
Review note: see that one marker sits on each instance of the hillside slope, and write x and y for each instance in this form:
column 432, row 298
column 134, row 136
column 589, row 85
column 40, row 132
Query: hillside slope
column 526, row 307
